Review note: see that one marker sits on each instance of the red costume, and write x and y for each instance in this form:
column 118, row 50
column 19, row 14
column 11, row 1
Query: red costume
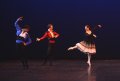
column 49, row 36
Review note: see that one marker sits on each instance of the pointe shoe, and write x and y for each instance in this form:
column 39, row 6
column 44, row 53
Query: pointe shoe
column 89, row 63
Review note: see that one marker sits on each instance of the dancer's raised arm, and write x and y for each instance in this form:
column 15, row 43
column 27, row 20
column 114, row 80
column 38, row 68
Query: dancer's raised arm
column 18, row 28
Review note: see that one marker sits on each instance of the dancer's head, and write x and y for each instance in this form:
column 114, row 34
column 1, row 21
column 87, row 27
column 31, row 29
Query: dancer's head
column 26, row 28
column 87, row 28
column 50, row 27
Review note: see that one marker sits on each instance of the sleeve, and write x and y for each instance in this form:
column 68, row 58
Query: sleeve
column 17, row 25
column 96, row 28
column 29, row 40
column 44, row 36
column 18, row 28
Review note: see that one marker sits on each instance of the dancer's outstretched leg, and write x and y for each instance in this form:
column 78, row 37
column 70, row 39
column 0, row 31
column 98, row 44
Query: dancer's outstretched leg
column 71, row 48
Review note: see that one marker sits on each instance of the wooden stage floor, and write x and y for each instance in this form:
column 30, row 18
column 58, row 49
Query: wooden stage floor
column 62, row 70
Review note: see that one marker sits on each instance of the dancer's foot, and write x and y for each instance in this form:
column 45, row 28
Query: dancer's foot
column 71, row 48
column 88, row 63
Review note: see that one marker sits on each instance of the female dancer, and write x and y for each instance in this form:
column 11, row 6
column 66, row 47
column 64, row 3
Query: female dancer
column 87, row 46
column 22, row 41
column 51, row 35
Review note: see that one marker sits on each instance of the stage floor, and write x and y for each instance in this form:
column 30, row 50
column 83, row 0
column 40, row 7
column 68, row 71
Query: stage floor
column 62, row 70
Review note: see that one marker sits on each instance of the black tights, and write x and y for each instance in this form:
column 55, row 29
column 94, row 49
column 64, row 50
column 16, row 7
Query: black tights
column 22, row 55
column 50, row 53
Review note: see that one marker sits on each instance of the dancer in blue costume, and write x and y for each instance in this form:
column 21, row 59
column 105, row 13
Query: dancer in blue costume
column 22, row 41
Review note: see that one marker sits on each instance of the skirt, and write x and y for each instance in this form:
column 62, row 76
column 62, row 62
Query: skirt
column 87, row 48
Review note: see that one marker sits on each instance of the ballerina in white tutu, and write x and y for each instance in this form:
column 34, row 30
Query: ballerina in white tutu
column 87, row 46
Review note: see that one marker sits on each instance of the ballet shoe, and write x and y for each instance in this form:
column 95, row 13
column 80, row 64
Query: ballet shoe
column 70, row 48
column 89, row 63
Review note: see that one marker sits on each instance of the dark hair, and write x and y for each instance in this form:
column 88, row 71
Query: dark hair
column 88, row 26
column 26, row 27
column 49, row 25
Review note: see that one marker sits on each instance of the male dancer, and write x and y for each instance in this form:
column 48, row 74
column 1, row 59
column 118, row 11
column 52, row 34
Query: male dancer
column 51, row 35
column 22, row 41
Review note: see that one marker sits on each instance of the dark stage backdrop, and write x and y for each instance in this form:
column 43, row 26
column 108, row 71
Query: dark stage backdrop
column 69, row 18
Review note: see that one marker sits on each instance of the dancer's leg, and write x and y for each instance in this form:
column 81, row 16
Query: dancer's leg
column 48, row 54
column 89, row 59
column 71, row 48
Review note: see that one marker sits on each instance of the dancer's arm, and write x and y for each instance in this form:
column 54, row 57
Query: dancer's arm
column 18, row 28
column 97, row 27
column 43, row 37
column 56, row 35
column 16, row 23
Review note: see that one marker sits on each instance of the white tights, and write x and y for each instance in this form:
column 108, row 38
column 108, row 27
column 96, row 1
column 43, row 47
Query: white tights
column 89, row 59
column 89, row 55
column 71, row 48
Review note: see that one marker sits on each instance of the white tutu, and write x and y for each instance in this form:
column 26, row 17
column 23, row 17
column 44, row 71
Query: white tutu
column 87, row 48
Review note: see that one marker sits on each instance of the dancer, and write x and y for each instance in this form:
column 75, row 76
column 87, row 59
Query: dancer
column 22, row 41
column 51, row 35
column 87, row 46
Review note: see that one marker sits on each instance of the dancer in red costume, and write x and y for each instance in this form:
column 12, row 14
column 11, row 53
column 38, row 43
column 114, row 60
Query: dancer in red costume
column 52, row 36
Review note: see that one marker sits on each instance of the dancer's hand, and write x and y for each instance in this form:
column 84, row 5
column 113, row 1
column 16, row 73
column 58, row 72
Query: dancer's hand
column 37, row 39
column 56, row 36
column 94, row 35
column 99, row 26
column 20, row 18
column 24, row 44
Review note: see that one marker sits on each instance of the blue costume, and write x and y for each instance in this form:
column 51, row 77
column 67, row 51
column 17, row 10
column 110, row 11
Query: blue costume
column 20, row 38
column 22, row 41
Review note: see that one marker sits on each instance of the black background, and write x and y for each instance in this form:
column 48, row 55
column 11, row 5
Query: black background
column 69, row 18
